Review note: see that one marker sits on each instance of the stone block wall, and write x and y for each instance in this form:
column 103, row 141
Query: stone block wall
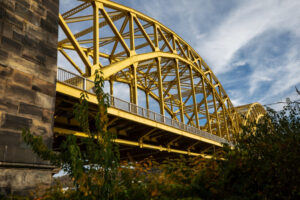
column 28, row 59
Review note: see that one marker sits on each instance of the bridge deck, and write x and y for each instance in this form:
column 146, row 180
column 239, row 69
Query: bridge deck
column 134, row 125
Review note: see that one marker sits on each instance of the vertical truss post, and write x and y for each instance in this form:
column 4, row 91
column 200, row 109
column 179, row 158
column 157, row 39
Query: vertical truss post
column 216, row 112
column 131, row 91
column 206, row 105
column 179, row 91
column 174, row 44
column 194, row 96
column 131, row 31
column 155, row 36
column 229, row 113
column 111, row 87
column 84, row 84
column 96, row 34
column 225, row 122
column 134, row 84
column 160, row 89
column 147, row 99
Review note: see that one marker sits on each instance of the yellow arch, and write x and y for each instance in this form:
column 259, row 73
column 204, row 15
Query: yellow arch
column 251, row 112
column 259, row 117
column 157, row 61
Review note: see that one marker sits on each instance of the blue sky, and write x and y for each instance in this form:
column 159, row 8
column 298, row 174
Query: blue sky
column 252, row 46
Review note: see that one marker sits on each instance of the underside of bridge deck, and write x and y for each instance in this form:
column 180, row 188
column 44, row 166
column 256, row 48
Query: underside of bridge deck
column 136, row 140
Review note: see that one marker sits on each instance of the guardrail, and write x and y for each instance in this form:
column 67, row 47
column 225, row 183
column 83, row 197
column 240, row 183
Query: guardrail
column 83, row 83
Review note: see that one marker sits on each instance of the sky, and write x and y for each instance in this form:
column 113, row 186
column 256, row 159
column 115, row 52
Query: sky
column 252, row 46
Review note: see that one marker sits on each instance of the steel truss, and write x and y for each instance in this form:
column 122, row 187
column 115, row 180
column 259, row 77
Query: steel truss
column 132, row 48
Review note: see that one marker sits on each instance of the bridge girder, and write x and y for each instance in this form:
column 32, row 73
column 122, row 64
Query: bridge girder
column 134, row 49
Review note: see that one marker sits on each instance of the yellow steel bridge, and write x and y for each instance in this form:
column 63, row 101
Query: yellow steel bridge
column 194, row 114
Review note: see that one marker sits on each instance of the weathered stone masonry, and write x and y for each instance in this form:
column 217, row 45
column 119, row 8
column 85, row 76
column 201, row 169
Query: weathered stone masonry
column 28, row 57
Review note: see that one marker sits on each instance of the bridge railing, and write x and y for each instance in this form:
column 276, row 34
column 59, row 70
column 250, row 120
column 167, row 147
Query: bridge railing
column 83, row 83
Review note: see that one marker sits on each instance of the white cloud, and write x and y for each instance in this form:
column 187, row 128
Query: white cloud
column 284, row 76
column 247, row 21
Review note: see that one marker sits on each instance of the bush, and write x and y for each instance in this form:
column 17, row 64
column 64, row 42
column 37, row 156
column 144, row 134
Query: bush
column 265, row 164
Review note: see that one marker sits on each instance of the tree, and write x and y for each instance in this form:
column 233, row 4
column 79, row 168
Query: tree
column 263, row 165
column 92, row 162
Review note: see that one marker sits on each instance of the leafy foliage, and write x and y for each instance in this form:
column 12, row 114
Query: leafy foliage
column 265, row 163
column 91, row 162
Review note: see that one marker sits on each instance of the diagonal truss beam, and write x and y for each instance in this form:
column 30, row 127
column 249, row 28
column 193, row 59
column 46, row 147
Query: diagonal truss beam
column 74, row 42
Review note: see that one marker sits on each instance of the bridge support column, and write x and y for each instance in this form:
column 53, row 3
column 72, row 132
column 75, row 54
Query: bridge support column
column 28, row 58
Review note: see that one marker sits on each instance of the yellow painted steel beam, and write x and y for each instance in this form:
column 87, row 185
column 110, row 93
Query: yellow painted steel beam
column 165, row 39
column 88, row 17
column 216, row 113
column 75, row 10
column 134, row 82
column 75, row 92
column 144, row 33
column 251, row 107
column 198, row 104
column 131, row 31
column 181, row 49
column 115, row 30
column 116, row 67
column 121, row 32
column 114, row 5
column 231, row 115
column 141, row 139
column 160, row 89
column 191, row 92
column 90, row 29
column 152, row 94
column 85, row 50
column 258, row 117
column 250, row 112
column 125, row 35
column 157, row 85
column 225, row 122
column 186, row 56
column 194, row 97
column 172, row 83
column 206, row 106
column 111, row 87
column 74, row 42
column 147, row 100
column 155, row 36
column 179, row 91
column 96, row 33
column 133, row 143
column 71, row 61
